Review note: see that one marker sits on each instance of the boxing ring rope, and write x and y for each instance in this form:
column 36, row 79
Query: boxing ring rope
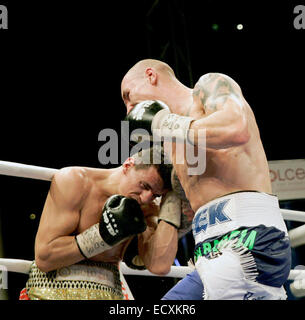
column 23, row 266
column 42, row 173
column 297, row 235
column 26, row 171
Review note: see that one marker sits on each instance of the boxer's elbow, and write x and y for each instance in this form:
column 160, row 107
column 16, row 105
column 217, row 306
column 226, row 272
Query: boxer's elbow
column 159, row 269
column 43, row 259
column 43, row 264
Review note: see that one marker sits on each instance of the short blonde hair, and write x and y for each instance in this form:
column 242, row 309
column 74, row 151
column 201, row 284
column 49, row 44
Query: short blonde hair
column 161, row 66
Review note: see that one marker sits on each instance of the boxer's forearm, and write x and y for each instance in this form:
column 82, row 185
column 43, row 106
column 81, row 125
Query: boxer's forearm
column 60, row 252
column 222, row 129
column 158, row 248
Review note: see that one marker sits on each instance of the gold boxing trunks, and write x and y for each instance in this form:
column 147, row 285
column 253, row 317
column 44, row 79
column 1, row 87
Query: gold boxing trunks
column 87, row 280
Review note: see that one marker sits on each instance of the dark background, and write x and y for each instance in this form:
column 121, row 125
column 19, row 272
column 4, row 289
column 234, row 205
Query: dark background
column 61, row 65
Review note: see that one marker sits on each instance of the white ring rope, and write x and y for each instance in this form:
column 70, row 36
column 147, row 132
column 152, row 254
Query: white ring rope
column 16, row 265
column 182, row 271
column 23, row 266
column 26, row 171
column 297, row 236
column 175, row 272
column 293, row 215
column 42, row 173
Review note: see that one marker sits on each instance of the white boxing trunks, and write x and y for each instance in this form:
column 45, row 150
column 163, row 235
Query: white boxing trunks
column 242, row 247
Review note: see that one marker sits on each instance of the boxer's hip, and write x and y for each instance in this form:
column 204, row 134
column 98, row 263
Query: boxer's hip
column 269, row 247
column 253, row 221
column 87, row 280
column 235, row 210
column 232, row 274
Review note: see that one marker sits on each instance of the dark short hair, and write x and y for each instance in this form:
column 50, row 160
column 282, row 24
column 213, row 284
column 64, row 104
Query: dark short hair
column 155, row 157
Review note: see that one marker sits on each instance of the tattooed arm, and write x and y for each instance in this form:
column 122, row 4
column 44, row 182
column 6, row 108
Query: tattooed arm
column 219, row 100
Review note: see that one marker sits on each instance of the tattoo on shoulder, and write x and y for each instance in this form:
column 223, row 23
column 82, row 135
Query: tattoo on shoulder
column 213, row 89
column 201, row 93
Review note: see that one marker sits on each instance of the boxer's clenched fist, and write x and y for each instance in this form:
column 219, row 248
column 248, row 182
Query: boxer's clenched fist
column 121, row 218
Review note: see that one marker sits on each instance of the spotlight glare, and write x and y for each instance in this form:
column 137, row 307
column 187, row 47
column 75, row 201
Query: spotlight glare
column 215, row 26
column 239, row 27
column 32, row 216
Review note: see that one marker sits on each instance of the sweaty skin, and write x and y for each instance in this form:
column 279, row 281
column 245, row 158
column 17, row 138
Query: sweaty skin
column 235, row 157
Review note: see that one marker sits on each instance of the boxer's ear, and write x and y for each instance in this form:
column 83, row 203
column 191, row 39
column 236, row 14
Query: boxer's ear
column 151, row 75
column 128, row 164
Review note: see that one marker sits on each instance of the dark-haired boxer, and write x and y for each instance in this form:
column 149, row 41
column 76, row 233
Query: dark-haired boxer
column 89, row 218
column 242, row 247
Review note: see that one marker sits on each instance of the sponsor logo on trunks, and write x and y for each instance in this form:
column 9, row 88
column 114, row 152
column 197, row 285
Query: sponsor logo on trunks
column 210, row 248
column 210, row 216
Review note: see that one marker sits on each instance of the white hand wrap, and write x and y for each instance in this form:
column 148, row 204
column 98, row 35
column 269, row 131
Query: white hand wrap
column 170, row 210
column 90, row 242
column 168, row 125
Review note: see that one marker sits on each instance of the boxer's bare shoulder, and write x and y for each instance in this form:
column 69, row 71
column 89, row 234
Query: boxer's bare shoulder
column 212, row 91
column 72, row 182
